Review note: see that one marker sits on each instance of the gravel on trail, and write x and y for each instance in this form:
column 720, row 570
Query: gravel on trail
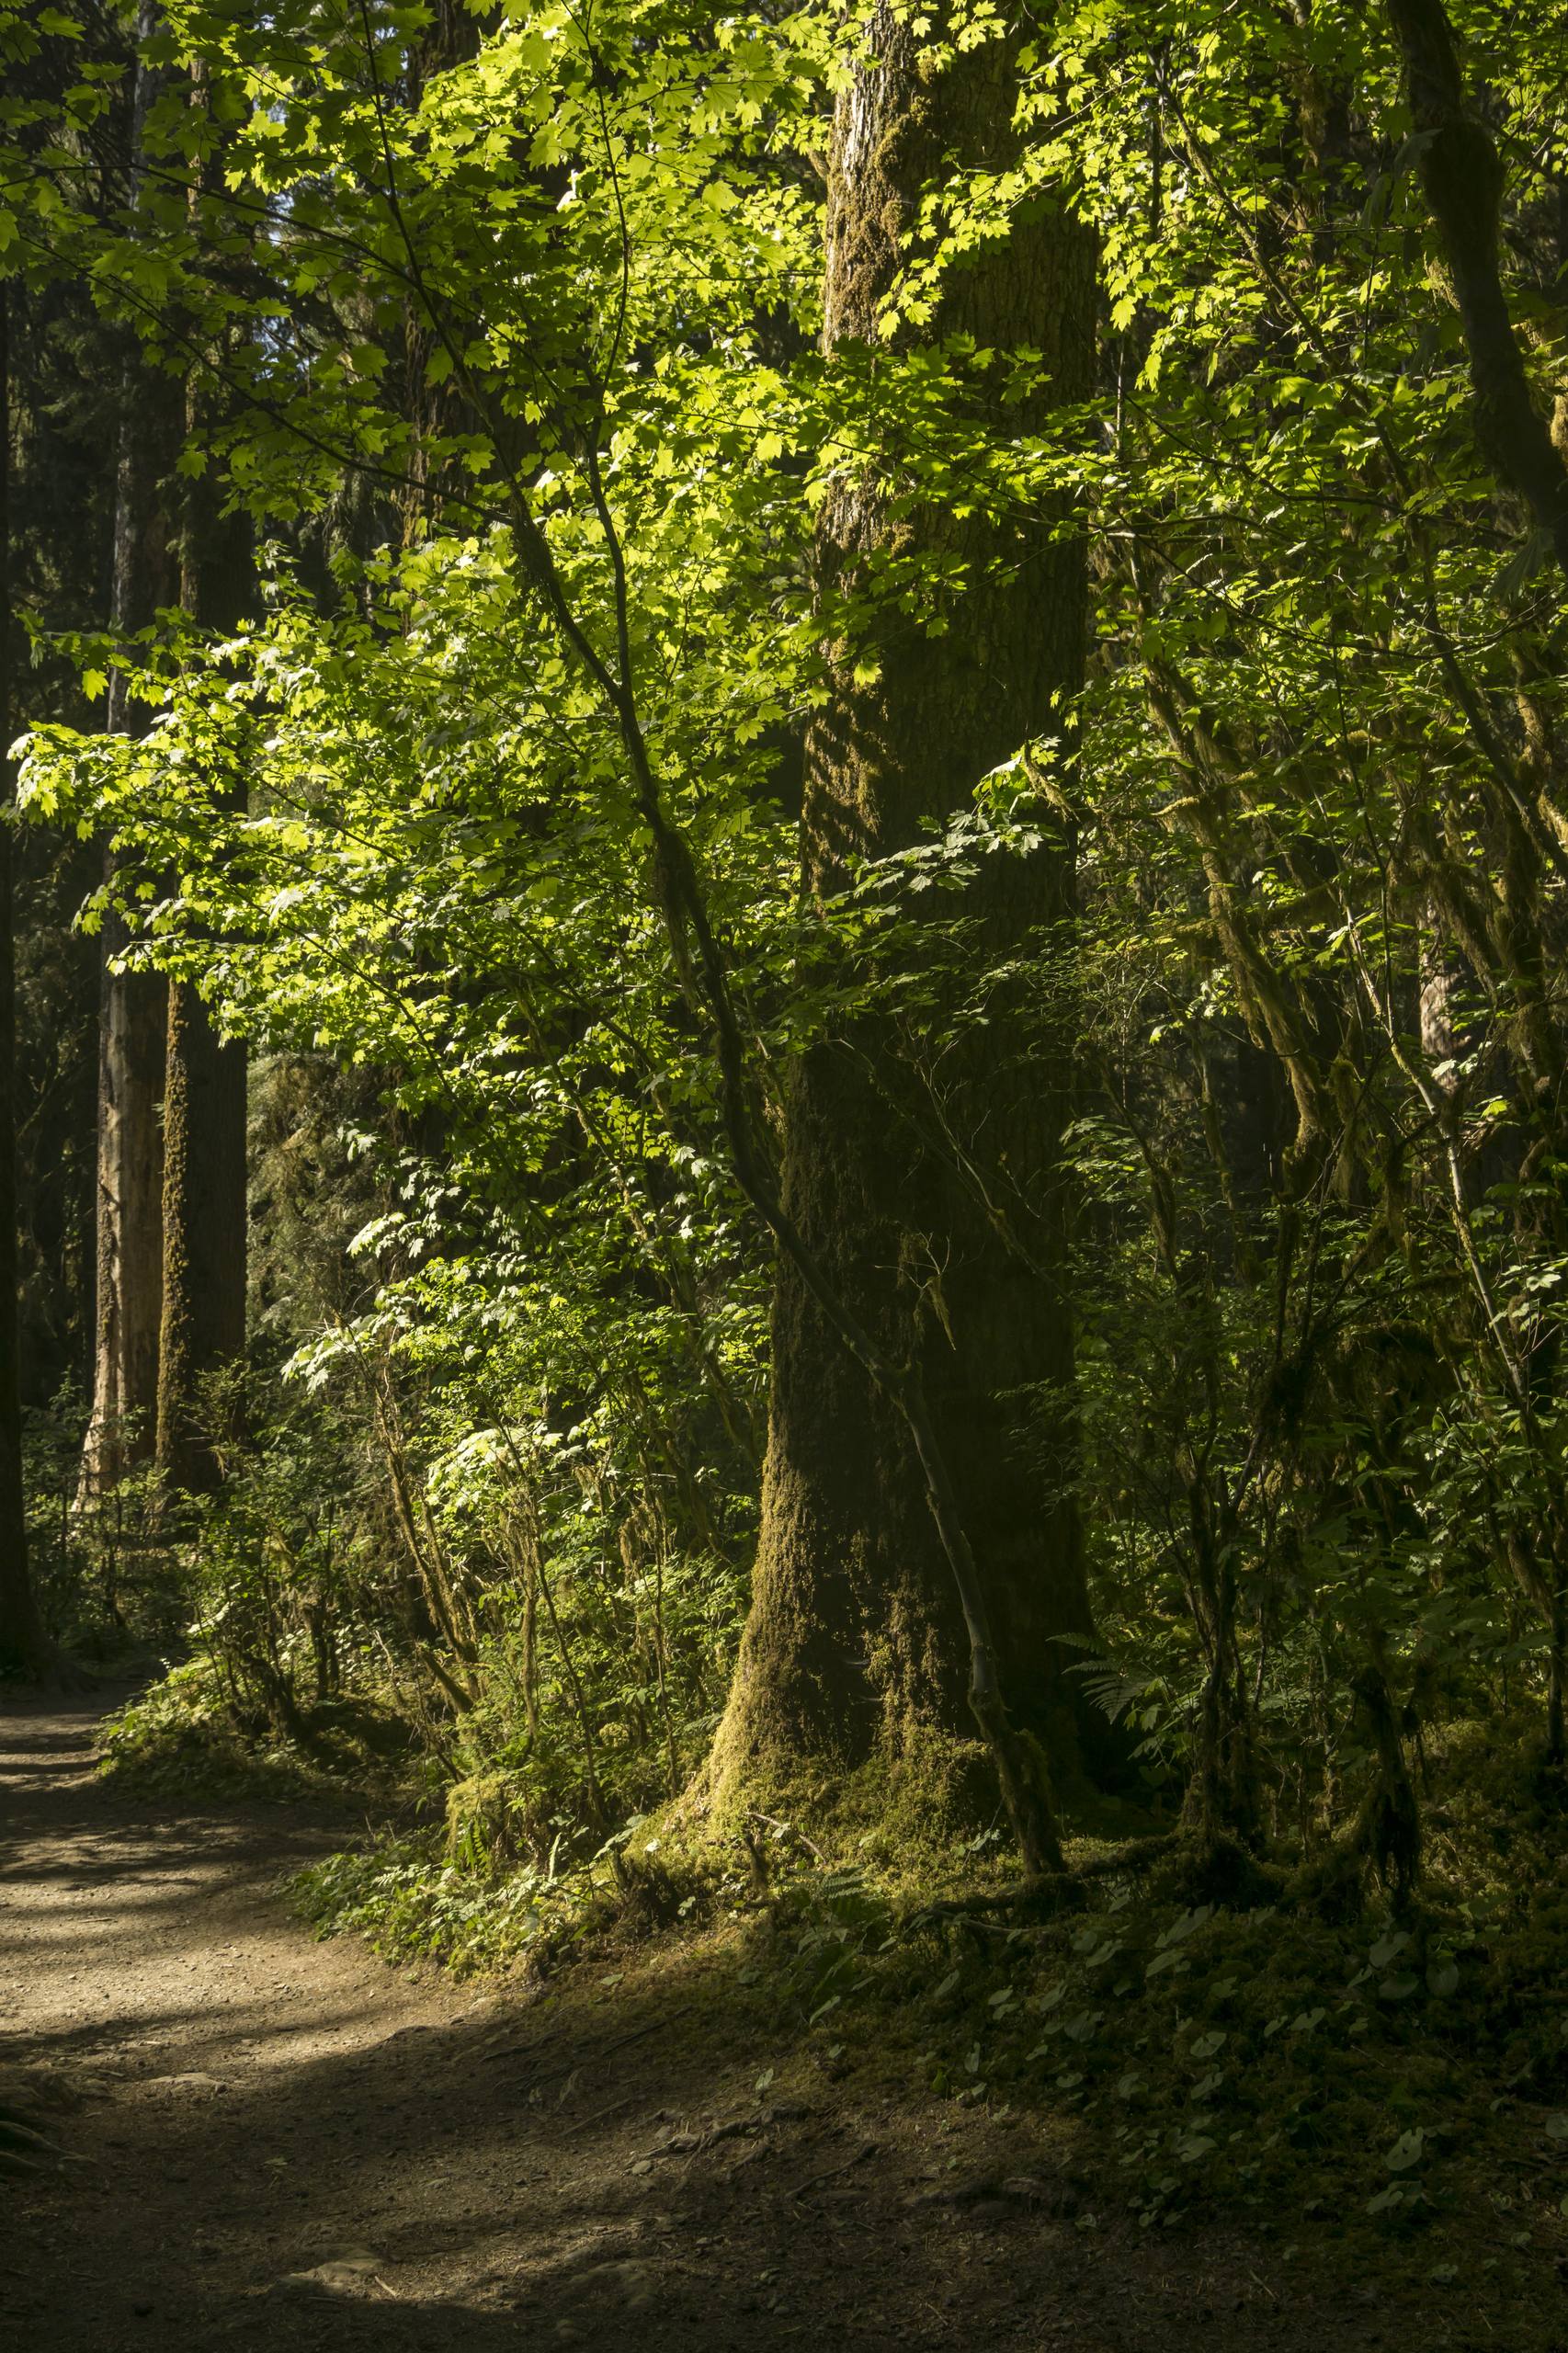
column 277, row 2143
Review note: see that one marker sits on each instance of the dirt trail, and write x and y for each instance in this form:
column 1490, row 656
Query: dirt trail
column 293, row 2146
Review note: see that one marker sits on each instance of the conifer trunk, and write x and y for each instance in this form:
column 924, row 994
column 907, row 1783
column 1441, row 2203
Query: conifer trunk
column 204, row 1220
column 23, row 1650
column 132, row 1013
column 133, row 1005
column 129, row 1229
column 930, row 1197
column 204, row 1236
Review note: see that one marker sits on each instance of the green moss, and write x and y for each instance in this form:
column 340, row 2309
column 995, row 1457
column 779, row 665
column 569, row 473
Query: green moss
column 912, row 1808
column 184, row 1736
column 1188, row 2043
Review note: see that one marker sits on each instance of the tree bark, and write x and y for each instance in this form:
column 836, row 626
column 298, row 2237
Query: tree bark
column 133, row 1005
column 1462, row 176
column 133, row 1014
column 204, row 1265
column 129, row 1234
column 204, row 1237
column 23, row 1647
column 922, row 1174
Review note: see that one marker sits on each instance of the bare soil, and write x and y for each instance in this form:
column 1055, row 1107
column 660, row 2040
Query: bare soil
column 284, row 2144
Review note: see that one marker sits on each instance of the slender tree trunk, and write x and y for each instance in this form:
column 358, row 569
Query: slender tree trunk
column 130, row 1051
column 129, row 1233
column 921, row 1158
column 23, row 1648
column 133, row 1005
column 204, row 1104
column 204, row 1239
column 204, row 1234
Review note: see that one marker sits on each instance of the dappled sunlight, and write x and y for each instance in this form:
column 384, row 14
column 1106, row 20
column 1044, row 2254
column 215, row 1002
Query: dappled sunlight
column 307, row 2141
column 784, row 1176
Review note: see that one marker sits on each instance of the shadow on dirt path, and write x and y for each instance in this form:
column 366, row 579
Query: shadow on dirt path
column 291, row 2146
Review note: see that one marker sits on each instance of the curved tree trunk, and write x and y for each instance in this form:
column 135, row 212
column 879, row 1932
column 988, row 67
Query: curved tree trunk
column 925, row 1181
column 1461, row 172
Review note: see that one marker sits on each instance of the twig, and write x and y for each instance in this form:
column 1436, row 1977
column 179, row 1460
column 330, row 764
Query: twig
column 510, row 2050
column 598, row 2117
column 866, row 2149
column 789, row 1829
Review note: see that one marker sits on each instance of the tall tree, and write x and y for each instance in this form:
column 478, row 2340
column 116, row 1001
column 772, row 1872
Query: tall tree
column 203, row 1327
column 133, row 1005
column 928, row 1195
column 133, row 1015
column 22, row 1644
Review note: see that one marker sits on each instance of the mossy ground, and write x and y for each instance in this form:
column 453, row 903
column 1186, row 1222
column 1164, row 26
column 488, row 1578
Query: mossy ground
column 182, row 1737
column 1387, row 2093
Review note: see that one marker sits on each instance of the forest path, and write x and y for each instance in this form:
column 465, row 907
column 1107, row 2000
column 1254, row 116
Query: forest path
column 293, row 2146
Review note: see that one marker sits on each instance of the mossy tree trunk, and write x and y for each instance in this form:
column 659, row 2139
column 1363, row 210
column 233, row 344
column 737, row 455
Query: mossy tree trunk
column 1461, row 170
column 921, row 1154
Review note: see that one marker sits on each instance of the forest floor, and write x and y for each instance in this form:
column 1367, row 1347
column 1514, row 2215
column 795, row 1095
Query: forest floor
column 282, row 2142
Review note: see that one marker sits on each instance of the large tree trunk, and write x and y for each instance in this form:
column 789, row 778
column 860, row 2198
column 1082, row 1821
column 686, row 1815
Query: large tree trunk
column 921, row 1158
